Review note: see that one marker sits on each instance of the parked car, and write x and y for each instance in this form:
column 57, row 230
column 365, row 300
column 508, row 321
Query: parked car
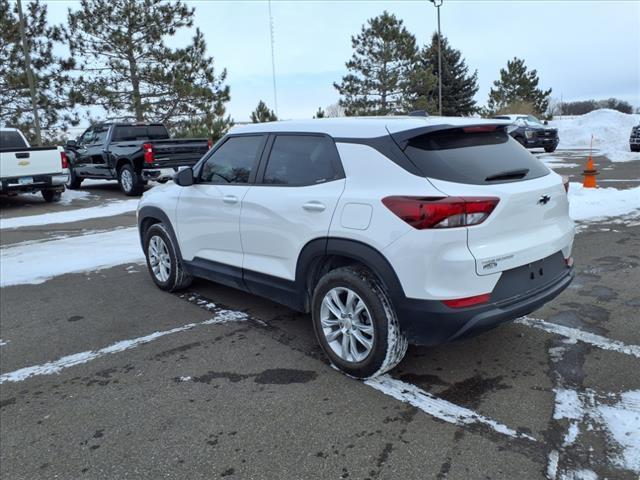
column 24, row 168
column 130, row 153
column 634, row 139
column 388, row 231
column 531, row 132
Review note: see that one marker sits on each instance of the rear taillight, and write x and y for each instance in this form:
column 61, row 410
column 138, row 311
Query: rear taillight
column 467, row 301
column 209, row 144
column 64, row 161
column 447, row 212
column 147, row 148
column 565, row 183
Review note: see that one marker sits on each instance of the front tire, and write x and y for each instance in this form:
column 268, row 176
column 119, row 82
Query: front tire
column 164, row 264
column 356, row 324
column 130, row 182
column 73, row 182
column 549, row 149
column 51, row 196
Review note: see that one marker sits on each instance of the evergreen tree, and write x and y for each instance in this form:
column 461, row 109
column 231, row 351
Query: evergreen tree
column 51, row 83
column 458, row 85
column 262, row 114
column 213, row 124
column 127, row 69
column 516, row 84
column 383, row 57
column 320, row 113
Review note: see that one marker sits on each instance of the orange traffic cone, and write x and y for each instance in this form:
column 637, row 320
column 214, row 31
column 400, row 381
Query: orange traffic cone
column 590, row 172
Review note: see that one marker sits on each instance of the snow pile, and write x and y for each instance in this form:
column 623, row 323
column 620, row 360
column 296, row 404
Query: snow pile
column 597, row 203
column 610, row 129
column 117, row 207
column 39, row 262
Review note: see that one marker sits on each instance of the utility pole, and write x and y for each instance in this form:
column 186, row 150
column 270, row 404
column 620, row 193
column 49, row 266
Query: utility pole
column 438, row 4
column 273, row 60
column 33, row 90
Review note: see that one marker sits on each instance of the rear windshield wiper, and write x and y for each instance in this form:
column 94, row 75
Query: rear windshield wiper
column 508, row 175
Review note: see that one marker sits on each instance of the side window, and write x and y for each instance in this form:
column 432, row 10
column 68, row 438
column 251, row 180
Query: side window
column 301, row 160
column 100, row 136
column 86, row 137
column 233, row 161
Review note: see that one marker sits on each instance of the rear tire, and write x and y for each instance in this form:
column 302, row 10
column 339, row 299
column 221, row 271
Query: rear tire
column 74, row 182
column 164, row 264
column 130, row 182
column 356, row 324
column 51, row 196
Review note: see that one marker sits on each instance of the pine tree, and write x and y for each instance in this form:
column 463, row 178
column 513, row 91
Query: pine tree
column 320, row 113
column 127, row 69
column 516, row 84
column 458, row 85
column 383, row 57
column 54, row 102
column 262, row 114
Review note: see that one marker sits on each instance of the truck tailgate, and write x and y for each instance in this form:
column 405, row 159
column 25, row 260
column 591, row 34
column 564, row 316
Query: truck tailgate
column 29, row 162
column 176, row 152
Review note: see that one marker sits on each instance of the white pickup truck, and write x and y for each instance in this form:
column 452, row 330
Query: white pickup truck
column 30, row 169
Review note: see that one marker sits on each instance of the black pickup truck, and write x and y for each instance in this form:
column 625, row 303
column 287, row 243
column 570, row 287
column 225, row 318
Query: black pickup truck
column 531, row 132
column 130, row 153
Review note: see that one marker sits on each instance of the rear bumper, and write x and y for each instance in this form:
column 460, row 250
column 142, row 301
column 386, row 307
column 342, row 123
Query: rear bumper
column 159, row 173
column 54, row 181
column 431, row 322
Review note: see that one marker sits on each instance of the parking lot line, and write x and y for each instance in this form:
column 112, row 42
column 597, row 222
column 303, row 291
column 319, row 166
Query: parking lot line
column 438, row 407
column 56, row 366
column 582, row 336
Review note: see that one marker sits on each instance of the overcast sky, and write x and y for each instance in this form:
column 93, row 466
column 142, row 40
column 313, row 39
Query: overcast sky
column 581, row 49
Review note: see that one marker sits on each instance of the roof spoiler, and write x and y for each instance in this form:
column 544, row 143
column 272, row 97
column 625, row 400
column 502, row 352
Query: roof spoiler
column 403, row 138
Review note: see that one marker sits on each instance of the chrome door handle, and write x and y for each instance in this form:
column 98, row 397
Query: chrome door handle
column 230, row 199
column 314, row 206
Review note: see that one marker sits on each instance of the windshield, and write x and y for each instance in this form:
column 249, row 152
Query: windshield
column 532, row 120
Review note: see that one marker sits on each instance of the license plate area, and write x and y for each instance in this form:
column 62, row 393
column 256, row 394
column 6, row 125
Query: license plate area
column 25, row 180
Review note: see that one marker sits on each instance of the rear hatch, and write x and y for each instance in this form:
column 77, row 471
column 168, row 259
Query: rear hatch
column 531, row 220
column 179, row 152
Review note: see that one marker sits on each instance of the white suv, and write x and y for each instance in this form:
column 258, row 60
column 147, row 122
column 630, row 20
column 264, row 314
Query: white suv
column 388, row 231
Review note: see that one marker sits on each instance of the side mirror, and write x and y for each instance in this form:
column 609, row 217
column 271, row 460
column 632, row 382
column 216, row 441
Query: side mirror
column 546, row 123
column 184, row 177
column 71, row 144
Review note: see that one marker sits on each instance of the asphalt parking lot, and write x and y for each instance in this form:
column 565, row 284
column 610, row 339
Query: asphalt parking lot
column 105, row 376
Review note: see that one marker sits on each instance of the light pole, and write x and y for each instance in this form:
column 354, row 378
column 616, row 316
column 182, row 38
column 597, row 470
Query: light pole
column 438, row 4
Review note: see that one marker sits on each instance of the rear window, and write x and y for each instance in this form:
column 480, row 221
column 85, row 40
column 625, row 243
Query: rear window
column 127, row 133
column 480, row 158
column 11, row 139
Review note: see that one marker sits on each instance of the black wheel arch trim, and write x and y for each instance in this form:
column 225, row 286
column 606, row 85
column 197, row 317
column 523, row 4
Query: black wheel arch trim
column 148, row 212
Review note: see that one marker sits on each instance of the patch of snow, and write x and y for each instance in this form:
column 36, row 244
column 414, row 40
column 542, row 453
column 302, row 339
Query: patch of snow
column 568, row 405
column 552, row 465
column 579, row 475
column 68, row 196
column 37, row 263
column 599, row 203
column 575, row 334
column 225, row 316
column 3, row 342
column 610, row 130
column 437, row 407
column 67, row 361
column 623, row 422
column 117, row 207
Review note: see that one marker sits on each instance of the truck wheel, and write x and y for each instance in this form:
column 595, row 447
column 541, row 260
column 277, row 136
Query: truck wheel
column 549, row 149
column 356, row 324
column 130, row 182
column 74, row 182
column 164, row 264
column 51, row 195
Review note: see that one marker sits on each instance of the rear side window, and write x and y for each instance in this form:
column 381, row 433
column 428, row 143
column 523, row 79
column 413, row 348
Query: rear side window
column 301, row 160
column 473, row 157
column 11, row 139
column 127, row 133
column 233, row 162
